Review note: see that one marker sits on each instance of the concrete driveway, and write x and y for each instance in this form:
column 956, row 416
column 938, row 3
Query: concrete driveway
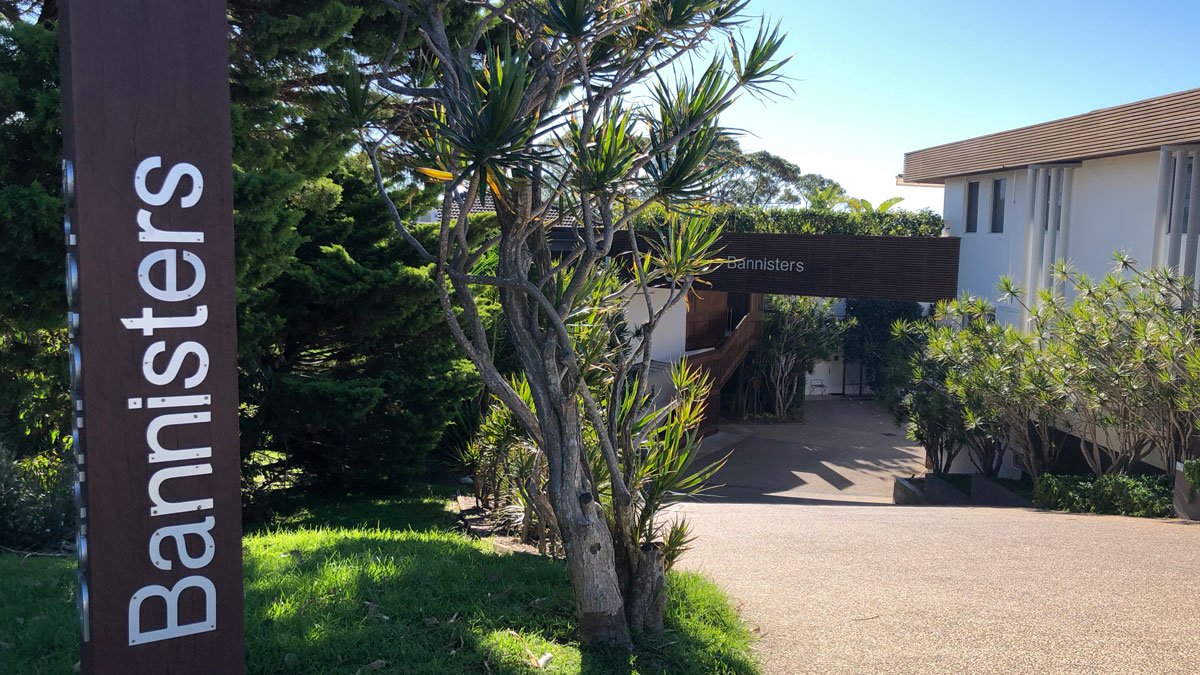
column 836, row 581
column 845, row 451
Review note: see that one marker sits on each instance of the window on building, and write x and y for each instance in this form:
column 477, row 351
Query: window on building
column 1187, row 194
column 973, row 206
column 999, row 195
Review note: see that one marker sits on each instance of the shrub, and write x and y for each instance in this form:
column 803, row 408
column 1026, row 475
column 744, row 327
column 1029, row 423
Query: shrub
column 36, row 501
column 1063, row 493
column 1191, row 471
column 1115, row 494
column 1141, row 496
column 897, row 222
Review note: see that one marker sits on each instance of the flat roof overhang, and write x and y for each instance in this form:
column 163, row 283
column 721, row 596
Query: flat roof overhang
column 923, row 269
column 1173, row 119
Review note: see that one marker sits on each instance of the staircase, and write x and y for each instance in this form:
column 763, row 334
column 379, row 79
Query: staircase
column 722, row 362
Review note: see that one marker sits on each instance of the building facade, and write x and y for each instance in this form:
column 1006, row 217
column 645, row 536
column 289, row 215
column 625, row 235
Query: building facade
column 1077, row 189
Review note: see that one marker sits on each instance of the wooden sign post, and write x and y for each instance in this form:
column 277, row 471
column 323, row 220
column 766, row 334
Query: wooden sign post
column 149, row 229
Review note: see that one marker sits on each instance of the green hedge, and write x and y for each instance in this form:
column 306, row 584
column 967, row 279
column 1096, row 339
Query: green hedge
column 36, row 501
column 1191, row 471
column 899, row 222
column 1116, row 494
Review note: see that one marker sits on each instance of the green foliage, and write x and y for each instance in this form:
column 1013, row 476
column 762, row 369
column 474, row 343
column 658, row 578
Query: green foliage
column 798, row 332
column 36, row 502
column 580, row 106
column 928, row 409
column 358, row 380
column 761, row 178
column 1064, row 493
column 1118, row 365
column 894, row 222
column 344, row 585
column 870, row 341
column 319, row 274
column 1146, row 496
column 1127, row 352
column 863, row 207
column 33, row 401
column 1191, row 471
column 1141, row 496
column 1005, row 383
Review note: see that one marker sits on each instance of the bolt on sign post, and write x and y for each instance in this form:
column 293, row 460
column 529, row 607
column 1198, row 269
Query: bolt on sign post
column 147, row 183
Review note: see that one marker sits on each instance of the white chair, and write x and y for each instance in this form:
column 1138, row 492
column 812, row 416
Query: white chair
column 817, row 386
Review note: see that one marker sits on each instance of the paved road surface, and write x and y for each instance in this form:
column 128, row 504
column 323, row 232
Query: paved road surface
column 837, row 582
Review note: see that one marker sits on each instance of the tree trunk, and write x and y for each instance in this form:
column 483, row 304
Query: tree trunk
column 586, row 539
column 582, row 527
column 646, row 595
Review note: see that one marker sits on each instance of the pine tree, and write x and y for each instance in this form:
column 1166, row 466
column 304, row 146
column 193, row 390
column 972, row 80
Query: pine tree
column 342, row 357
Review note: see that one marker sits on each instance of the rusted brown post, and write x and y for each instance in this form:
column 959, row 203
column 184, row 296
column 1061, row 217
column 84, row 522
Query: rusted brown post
column 149, row 229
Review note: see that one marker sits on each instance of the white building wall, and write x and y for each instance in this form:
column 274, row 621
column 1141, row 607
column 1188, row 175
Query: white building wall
column 1112, row 205
column 1112, row 208
column 671, row 336
column 827, row 373
column 985, row 256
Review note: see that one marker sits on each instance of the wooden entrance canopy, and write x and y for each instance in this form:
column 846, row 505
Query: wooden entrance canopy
column 923, row 269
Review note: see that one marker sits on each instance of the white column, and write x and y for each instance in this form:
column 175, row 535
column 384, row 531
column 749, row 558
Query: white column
column 1162, row 209
column 1193, row 220
column 1031, row 182
column 1053, row 219
column 1176, row 228
column 1064, row 251
column 1030, row 188
column 1038, row 243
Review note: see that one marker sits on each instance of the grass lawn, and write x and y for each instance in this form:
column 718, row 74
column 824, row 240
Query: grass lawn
column 388, row 586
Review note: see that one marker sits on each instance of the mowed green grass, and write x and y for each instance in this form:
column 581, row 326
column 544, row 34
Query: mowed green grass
column 388, row 586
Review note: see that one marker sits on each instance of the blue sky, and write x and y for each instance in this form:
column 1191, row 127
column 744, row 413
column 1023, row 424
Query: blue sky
column 873, row 79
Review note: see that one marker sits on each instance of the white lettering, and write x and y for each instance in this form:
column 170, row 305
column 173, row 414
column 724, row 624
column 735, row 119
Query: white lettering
column 160, row 277
column 767, row 265
column 176, row 363
column 169, row 185
column 148, row 322
column 178, row 533
column 150, row 233
column 169, row 259
column 161, row 454
column 162, row 507
column 171, row 597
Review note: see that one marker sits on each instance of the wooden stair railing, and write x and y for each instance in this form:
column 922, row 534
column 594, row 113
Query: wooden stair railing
column 721, row 363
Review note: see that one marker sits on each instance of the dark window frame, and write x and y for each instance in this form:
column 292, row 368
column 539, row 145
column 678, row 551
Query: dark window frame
column 972, row 222
column 999, row 204
column 1187, row 194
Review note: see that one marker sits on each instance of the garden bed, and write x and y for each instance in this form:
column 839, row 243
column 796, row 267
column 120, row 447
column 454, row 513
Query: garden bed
column 960, row 489
column 392, row 586
column 1144, row 496
column 1187, row 489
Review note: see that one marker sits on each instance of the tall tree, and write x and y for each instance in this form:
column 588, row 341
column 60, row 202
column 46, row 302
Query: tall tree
column 800, row 332
column 33, row 387
column 360, row 377
column 291, row 215
column 554, row 86
column 761, row 178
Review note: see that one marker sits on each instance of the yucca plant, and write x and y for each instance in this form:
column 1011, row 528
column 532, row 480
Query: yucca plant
column 579, row 114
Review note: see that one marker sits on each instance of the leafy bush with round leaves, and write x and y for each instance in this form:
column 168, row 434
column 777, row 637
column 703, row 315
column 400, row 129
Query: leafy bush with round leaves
column 1115, row 494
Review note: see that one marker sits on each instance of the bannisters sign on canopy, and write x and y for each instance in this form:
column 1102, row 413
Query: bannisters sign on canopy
column 834, row 266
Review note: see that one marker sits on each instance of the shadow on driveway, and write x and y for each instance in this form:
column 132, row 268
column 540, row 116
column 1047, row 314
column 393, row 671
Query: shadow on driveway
column 846, row 452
